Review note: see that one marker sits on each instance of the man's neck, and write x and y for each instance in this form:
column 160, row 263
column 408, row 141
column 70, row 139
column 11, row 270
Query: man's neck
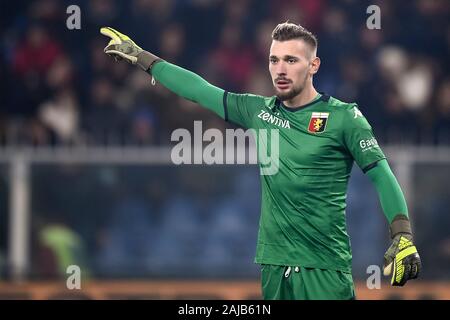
column 306, row 96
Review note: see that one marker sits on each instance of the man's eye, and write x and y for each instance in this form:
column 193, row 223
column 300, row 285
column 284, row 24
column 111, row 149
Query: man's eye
column 273, row 61
column 291, row 61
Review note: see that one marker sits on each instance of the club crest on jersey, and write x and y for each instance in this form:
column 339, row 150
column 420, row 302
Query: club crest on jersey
column 318, row 122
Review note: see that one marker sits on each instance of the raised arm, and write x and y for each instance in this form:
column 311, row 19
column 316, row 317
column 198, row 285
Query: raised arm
column 180, row 81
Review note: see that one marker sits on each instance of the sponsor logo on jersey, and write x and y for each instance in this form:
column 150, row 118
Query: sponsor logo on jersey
column 270, row 118
column 318, row 122
column 367, row 144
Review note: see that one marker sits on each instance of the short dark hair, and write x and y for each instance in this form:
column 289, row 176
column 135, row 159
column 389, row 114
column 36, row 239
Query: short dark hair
column 288, row 31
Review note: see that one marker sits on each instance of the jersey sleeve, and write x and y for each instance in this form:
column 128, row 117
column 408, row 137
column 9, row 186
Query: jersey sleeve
column 190, row 86
column 360, row 140
column 242, row 109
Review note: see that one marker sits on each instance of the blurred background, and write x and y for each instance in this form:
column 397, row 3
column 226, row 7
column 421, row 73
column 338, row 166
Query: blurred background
column 85, row 171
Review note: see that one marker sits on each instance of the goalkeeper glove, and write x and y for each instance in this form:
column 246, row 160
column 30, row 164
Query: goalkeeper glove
column 401, row 259
column 121, row 47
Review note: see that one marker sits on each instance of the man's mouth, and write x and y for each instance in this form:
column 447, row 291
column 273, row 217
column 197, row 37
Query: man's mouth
column 283, row 84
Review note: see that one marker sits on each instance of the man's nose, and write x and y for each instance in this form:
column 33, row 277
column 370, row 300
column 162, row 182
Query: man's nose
column 281, row 68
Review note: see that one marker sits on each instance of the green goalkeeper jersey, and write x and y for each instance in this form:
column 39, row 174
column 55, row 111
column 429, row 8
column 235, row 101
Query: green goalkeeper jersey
column 303, row 201
column 303, row 204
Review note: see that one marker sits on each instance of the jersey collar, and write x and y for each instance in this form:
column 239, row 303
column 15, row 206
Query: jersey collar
column 323, row 98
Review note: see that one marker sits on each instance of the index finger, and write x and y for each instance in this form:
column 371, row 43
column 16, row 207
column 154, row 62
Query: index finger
column 110, row 32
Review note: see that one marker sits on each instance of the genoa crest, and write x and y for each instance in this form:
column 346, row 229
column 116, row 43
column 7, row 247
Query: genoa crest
column 318, row 122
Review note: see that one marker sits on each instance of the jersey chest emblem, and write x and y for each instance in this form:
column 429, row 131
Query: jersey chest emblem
column 318, row 122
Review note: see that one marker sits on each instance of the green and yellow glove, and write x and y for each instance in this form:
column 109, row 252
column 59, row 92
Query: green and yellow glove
column 121, row 47
column 401, row 259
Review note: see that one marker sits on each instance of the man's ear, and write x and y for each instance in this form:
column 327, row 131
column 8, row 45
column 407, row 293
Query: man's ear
column 314, row 65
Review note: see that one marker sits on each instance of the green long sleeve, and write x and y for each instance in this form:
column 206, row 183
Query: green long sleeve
column 389, row 191
column 189, row 86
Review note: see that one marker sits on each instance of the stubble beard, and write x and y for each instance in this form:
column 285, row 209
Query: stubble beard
column 295, row 91
column 283, row 96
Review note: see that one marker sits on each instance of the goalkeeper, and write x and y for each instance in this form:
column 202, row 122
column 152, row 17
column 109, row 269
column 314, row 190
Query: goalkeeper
column 303, row 246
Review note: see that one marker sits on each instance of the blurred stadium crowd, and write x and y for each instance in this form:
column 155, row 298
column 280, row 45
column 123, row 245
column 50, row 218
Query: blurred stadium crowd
column 156, row 221
column 59, row 87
